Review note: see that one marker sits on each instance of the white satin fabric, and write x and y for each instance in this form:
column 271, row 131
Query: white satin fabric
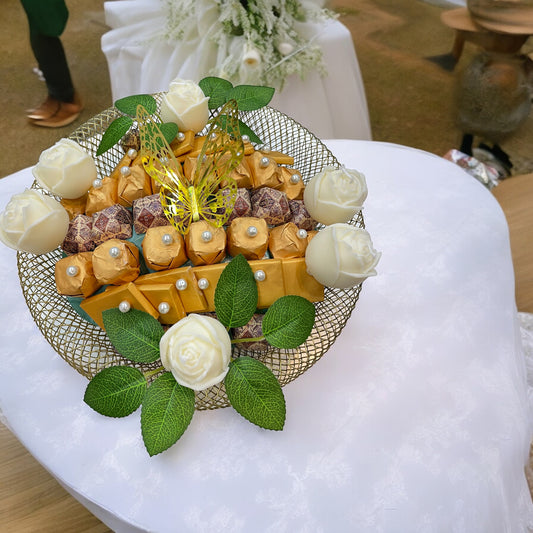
column 139, row 61
column 416, row 420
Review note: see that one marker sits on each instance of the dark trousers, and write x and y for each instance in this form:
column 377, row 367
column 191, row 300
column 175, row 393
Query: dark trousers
column 45, row 28
column 50, row 56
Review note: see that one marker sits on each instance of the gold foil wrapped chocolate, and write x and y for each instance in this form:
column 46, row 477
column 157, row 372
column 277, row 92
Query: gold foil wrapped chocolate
column 124, row 162
column 293, row 185
column 183, row 143
column 105, row 195
column 133, row 184
column 287, row 241
column 248, row 236
column 112, row 297
column 265, row 171
column 163, row 248
column 205, row 244
column 74, row 207
column 74, row 275
column 116, row 262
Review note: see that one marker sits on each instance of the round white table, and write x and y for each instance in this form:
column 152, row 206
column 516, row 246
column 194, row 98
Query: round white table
column 331, row 106
column 417, row 419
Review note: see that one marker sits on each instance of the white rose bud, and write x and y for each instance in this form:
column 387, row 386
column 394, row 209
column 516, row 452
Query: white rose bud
column 186, row 105
column 33, row 222
column 197, row 350
column 341, row 256
column 335, row 195
column 65, row 169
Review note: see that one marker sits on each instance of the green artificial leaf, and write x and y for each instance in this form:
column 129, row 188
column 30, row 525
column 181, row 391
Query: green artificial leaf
column 251, row 97
column 135, row 334
column 236, row 293
column 128, row 105
column 116, row 391
column 288, row 321
column 246, row 130
column 255, row 393
column 166, row 413
column 169, row 130
column 217, row 89
column 115, row 131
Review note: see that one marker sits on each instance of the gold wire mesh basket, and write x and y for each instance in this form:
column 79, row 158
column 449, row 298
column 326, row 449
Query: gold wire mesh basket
column 87, row 348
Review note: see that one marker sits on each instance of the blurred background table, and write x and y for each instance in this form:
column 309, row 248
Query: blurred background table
column 330, row 106
column 416, row 419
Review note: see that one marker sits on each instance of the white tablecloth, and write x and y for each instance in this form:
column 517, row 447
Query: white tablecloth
column 417, row 419
column 333, row 106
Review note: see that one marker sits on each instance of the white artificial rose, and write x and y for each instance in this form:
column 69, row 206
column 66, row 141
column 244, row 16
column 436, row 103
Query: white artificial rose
column 33, row 222
column 341, row 256
column 197, row 350
column 65, row 169
column 335, row 195
column 186, row 105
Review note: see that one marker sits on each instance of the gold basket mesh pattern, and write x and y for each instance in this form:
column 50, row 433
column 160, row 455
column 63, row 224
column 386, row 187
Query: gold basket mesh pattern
column 87, row 348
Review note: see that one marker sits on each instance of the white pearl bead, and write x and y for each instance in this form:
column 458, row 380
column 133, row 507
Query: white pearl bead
column 72, row 271
column 132, row 153
column 259, row 275
column 114, row 252
column 265, row 161
column 295, row 178
column 245, row 139
column 181, row 284
column 206, row 236
column 266, row 149
column 167, row 239
column 97, row 183
column 181, row 136
column 203, row 283
column 124, row 306
column 163, row 308
column 302, row 234
column 251, row 231
column 125, row 171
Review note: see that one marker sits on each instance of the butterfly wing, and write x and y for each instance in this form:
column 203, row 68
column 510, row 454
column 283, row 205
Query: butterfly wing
column 221, row 153
column 160, row 164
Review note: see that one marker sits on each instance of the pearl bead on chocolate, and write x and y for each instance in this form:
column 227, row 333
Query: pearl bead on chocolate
column 163, row 308
column 207, row 236
column 181, row 136
column 203, row 283
column 295, row 178
column 132, row 153
column 259, row 275
column 181, row 284
column 245, row 139
column 72, row 271
column 265, row 161
column 124, row 306
column 302, row 233
column 251, row 231
column 97, row 183
column 114, row 252
column 166, row 239
column 125, row 171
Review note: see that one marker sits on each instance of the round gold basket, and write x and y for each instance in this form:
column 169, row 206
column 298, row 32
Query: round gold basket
column 87, row 348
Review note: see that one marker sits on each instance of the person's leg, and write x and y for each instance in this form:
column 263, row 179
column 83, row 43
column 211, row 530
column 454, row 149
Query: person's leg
column 50, row 56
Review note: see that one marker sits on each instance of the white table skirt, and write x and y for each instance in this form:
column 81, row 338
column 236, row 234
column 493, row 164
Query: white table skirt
column 417, row 419
column 333, row 106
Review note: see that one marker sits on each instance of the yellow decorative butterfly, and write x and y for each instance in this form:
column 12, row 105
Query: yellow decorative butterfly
column 210, row 192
